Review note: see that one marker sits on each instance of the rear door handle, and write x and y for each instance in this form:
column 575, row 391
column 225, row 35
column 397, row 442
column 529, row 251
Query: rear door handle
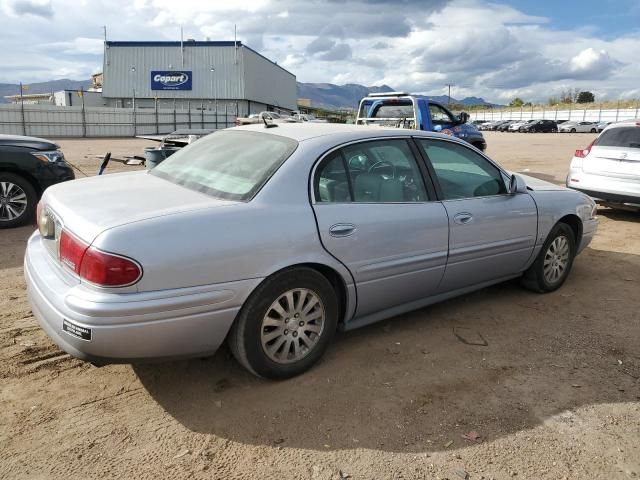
column 463, row 218
column 342, row 229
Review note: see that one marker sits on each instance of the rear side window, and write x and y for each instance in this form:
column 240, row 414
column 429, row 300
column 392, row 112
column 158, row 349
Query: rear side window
column 625, row 137
column 381, row 171
column 232, row 165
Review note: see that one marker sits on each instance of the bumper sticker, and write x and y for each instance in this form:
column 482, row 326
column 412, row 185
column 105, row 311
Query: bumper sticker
column 76, row 330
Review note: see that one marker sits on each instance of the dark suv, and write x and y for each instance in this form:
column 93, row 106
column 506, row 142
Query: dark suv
column 28, row 165
column 540, row 126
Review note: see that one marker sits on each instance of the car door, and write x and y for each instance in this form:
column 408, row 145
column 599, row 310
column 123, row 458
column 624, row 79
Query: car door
column 441, row 119
column 375, row 215
column 491, row 232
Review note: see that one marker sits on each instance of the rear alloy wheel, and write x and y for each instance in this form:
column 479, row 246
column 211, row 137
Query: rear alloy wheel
column 593, row 130
column 553, row 264
column 554, row 130
column 17, row 200
column 286, row 324
column 573, row 130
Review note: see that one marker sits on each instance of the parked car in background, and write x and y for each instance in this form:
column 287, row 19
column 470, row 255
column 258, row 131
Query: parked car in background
column 602, row 125
column 580, row 127
column 307, row 117
column 505, row 126
column 271, row 117
column 268, row 236
column 545, row 126
column 517, row 126
column 608, row 169
column 28, row 165
column 494, row 125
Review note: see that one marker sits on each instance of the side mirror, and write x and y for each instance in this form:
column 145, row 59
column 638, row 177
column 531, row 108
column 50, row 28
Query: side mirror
column 517, row 184
column 463, row 118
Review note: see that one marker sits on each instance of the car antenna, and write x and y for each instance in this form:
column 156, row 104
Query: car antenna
column 268, row 125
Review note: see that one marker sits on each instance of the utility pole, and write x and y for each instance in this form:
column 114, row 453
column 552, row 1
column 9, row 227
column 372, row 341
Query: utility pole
column 449, row 101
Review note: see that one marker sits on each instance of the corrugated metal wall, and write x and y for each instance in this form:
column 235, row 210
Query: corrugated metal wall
column 53, row 121
column 268, row 83
column 120, row 79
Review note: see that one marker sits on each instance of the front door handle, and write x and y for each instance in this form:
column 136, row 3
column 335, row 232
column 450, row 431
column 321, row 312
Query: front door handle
column 342, row 229
column 463, row 218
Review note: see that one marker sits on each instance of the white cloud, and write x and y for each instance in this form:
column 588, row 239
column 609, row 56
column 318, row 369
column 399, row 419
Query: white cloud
column 484, row 49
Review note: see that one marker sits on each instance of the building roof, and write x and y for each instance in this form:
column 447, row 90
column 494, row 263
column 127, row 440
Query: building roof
column 189, row 43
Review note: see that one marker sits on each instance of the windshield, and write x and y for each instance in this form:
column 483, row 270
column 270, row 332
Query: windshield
column 232, row 165
column 626, row 137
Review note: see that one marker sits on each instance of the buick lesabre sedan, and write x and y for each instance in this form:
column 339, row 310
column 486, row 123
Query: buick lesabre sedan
column 272, row 238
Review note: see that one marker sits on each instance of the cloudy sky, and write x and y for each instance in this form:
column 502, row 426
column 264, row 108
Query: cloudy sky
column 496, row 50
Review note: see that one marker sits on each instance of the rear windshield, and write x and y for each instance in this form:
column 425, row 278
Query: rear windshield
column 628, row 137
column 231, row 165
column 387, row 109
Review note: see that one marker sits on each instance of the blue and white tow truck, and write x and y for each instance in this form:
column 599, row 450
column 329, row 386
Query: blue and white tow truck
column 403, row 110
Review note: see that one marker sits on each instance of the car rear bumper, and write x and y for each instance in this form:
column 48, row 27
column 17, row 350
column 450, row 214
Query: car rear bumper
column 605, row 188
column 123, row 328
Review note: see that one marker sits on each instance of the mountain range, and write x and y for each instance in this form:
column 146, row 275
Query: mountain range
column 325, row 95
column 328, row 95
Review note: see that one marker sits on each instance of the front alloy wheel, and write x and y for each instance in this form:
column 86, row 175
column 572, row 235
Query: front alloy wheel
column 556, row 259
column 552, row 265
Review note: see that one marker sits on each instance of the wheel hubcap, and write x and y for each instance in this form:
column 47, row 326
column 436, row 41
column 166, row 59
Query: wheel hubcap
column 292, row 326
column 13, row 201
column 556, row 259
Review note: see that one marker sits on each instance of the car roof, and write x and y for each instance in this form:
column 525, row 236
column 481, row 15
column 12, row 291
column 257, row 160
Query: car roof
column 623, row 123
column 307, row 131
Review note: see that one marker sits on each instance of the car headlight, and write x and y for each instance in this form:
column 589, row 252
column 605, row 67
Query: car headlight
column 52, row 156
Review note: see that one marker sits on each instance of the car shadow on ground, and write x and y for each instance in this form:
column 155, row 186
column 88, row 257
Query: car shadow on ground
column 412, row 383
column 620, row 215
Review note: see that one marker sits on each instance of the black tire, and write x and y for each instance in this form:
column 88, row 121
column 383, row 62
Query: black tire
column 573, row 130
column 534, row 278
column 245, row 336
column 593, row 130
column 554, row 130
column 25, row 216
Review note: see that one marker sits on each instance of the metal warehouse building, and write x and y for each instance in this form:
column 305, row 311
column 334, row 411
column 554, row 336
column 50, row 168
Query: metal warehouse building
column 195, row 74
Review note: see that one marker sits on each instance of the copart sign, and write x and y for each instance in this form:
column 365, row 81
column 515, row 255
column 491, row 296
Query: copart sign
column 171, row 80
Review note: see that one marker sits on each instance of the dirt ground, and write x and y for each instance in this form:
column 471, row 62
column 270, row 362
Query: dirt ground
column 555, row 393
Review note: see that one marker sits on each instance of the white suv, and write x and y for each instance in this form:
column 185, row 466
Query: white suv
column 609, row 168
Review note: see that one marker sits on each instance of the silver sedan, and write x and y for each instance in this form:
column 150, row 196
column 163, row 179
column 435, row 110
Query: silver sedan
column 272, row 237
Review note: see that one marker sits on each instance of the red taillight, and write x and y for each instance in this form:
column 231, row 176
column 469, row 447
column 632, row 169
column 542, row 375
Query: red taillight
column 583, row 153
column 72, row 250
column 108, row 270
column 100, row 268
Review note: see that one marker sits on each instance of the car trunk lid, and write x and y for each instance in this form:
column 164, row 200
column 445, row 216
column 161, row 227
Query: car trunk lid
column 89, row 206
column 613, row 162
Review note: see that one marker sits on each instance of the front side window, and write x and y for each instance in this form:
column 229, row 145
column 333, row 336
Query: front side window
column 439, row 116
column 231, row 165
column 461, row 172
column 380, row 171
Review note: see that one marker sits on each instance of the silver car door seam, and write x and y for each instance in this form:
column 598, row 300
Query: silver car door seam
column 312, row 202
